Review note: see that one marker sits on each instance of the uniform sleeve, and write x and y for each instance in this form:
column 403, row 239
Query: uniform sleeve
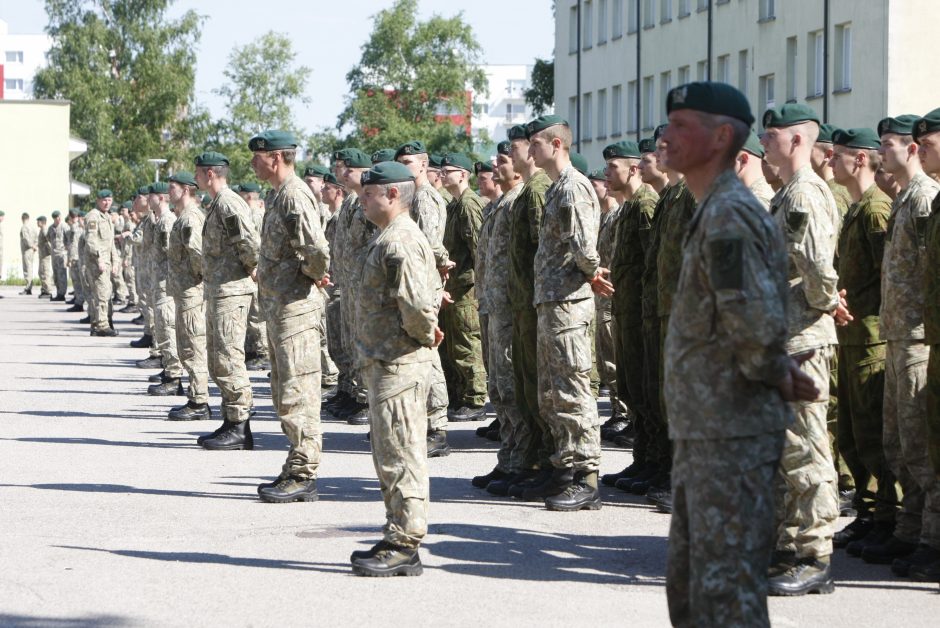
column 811, row 250
column 307, row 238
column 192, row 241
column 240, row 233
column 876, row 229
column 426, row 216
column 535, row 207
column 917, row 225
column 406, row 276
column 471, row 221
column 579, row 228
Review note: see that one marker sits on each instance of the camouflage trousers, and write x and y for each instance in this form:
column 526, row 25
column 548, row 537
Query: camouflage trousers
column 226, row 324
column 510, row 458
column 846, row 481
column 535, row 440
column 118, row 287
column 437, row 394
column 906, row 442
column 145, row 305
column 565, row 399
column 329, row 372
column 75, row 272
column 463, row 347
column 722, row 530
column 29, row 256
column 45, row 274
column 605, row 350
column 191, row 342
column 933, row 406
column 807, row 495
column 657, row 428
column 861, row 383
column 397, row 401
column 60, row 274
column 484, row 318
column 98, row 294
column 164, row 327
column 348, row 312
column 295, row 388
column 130, row 280
column 336, row 343
column 256, row 337
column 628, row 348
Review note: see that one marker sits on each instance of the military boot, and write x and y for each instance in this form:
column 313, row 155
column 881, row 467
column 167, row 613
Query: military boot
column 190, row 412
column 780, row 562
column 389, row 560
column 360, row 417
column 921, row 557
column 879, row 534
column 237, row 436
column 518, row 487
column 482, row 481
column 76, row 308
column 481, row 431
column 855, row 531
column 84, row 320
column 647, row 472
column 157, row 377
column 259, row 363
column 372, row 551
column 660, row 488
column 105, row 332
column 501, row 487
column 625, row 437
column 808, row 575
column 153, row 362
column 138, row 320
column 168, row 387
column 581, row 494
column 467, row 413
column 885, row 553
column 335, row 400
column 129, row 308
column 610, row 479
column 925, row 573
column 556, row 484
column 352, row 406
column 290, row 489
column 437, row 444
column 226, row 424
column 144, row 342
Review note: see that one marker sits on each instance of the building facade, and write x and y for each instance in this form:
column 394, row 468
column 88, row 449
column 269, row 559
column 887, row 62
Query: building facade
column 23, row 56
column 502, row 107
column 853, row 61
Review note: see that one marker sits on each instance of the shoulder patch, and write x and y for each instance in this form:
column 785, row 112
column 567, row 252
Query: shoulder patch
column 187, row 234
column 920, row 226
column 164, row 239
column 233, row 227
column 796, row 225
column 393, row 274
column 727, row 267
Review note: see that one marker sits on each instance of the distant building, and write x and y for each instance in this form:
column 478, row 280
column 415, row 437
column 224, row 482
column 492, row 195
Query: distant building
column 22, row 56
column 503, row 107
column 853, row 61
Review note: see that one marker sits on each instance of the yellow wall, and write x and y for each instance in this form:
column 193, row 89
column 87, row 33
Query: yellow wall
column 34, row 168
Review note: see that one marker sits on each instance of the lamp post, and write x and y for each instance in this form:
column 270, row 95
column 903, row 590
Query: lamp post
column 156, row 167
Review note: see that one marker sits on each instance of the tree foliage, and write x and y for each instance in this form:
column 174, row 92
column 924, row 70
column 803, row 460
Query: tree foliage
column 541, row 95
column 129, row 72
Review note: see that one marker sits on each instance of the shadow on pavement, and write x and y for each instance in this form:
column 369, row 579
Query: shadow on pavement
column 90, row 621
column 133, row 490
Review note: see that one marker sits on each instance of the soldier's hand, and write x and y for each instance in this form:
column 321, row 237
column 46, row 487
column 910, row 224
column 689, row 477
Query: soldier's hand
column 438, row 337
column 444, row 270
column 325, row 282
column 600, row 285
column 254, row 274
column 445, row 298
column 841, row 314
column 797, row 385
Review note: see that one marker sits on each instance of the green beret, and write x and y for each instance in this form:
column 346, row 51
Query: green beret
column 482, row 166
column 414, row 147
column 272, row 139
column 330, row 178
column 127, row 204
column 160, row 187
column 74, row 212
column 354, row 158
column 41, row 219
column 237, row 188
column 316, row 170
column 115, row 209
column 56, row 214
column 709, row 97
column 579, row 162
column 211, row 158
column 658, row 133
column 857, row 138
column 457, row 160
column 143, row 190
column 928, row 124
column 206, row 200
column 901, row 125
column 543, row 122
column 647, row 145
column 788, row 115
column 752, row 145
column 387, row 172
column 383, row 154
column 597, row 174
column 622, row 149
column 503, row 147
column 434, row 160
column 104, row 193
column 826, row 133
column 251, row 188
column 183, row 178
column 516, row 133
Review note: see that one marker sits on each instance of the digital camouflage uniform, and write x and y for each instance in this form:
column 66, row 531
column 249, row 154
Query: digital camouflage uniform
column 460, row 321
column 903, row 272
column 129, row 270
column 29, row 241
column 56, row 237
column 97, row 267
column 525, row 217
column 230, row 253
column 808, row 502
column 862, row 354
column 762, row 190
column 142, row 240
column 164, row 307
column 329, row 373
column 72, row 239
column 184, row 258
column 604, row 345
column 118, row 287
column 45, row 262
column 397, row 315
column 256, row 337
column 725, row 352
column 479, row 277
column 336, row 342
column 565, row 261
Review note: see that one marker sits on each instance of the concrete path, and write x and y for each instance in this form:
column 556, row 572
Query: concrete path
column 110, row 516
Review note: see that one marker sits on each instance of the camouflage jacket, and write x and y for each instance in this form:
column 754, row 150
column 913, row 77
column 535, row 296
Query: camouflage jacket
column 762, row 190
column 726, row 342
column 669, row 251
column 496, row 291
column 99, row 235
column 905, row 260
column 45, row 248
column 669, row 202
column 229, row 246
column 931, row 231
column 429, row 210
column 606, row 236
column 567, row 255
column 862, row 246
column 628, row 263
column 357, row 232
column 479, row 262
column 294, row 252
column 29, row 237
column 525, row 224
column 464, row 216
column 56, row 236
column 257, row 217
column 184, row 258
column 806, row 212
column 73, row 237
column 160, row 246
column 141, row 239
column 397, row 313
column 336, row 238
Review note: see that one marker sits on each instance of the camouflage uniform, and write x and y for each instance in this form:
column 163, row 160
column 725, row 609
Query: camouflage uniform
column 846, row 482
column 142, row 240
column 294, row 255
column 98, row 237
column 479, row 277
column 906, row 441
column 603, row 317
column 45, row 262
column 184, row 259
column 397, row 316
column 56, row 237
column 564, row 262
column 725, row 352
column 256, row 338
column 525, row 218
column 460, row 321
column 336, row 342
column 164, row 307
column 230, row 253
column 762, row 190
column 862, row 354
column 29, row 238
column 129, row 270
column 429, row 212
column 329, row 373
column 808, row 505
column 72, row 239
column 118, row 287
column 932, row 330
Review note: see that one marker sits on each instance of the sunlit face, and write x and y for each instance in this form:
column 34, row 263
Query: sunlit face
column 541, row 150
column 777, row 143
column 600, row 188
column 264, row 163
column 434, row 177
column 353, row 176
column 893, row 152
column 176, row 192
column 929, row 152
column 886, row 182
column 487, row 184
column 504, row 167
column 452, row 177
column 649, row 168
column 821, row 154
column 843, row 163
column 202, row 178
column 375, row 202
column 686, row 142
column 519, row 154
column 416, row 164
column 104, row 204
column 315, row 184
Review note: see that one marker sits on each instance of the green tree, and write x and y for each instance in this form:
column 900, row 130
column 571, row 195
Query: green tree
column 129, row 71
column 412, row 75
column 541, row 95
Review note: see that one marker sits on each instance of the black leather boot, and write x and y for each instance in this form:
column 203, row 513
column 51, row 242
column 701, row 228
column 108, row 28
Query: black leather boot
column 237, row 436
column 482, row 481
column 289, row 489
column 168, row 387
column 226, row 424
column 437, row 444
column 190, row 412
column 388, row 560
column 581, row 494
column 560, row 480
column 144, row 342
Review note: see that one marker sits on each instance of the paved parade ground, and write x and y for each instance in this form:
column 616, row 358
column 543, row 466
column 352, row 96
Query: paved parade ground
column 110, row 516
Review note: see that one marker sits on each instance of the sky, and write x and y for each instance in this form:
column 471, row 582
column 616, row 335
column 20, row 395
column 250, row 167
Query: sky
column 328, row 35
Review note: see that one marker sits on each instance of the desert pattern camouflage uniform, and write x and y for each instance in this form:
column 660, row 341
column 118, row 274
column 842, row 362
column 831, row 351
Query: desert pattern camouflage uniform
column 762, row 190
column 99, row 235
column 72, row 239
column 256, row 337
column 29, row 239
column 56, row 237
column 164, row 307
column 142, row 240
column 45, row 262
column 604, row 345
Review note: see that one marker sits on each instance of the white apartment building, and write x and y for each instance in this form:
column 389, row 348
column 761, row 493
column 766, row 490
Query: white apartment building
column 853, row 61
column 503, row 107
column 22, row 56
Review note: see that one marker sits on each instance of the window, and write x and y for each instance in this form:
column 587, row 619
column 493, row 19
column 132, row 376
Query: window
column 587, row 25
column 766, row 10
column 13, row 84
column 649, row 99
column 587, row 116
column 843, row 57
column 616, row 19
column 684, row 75
column 649, row 13
column 791, row 69
column 724, row 69
column 814, row 65
column 701, row 71
column 616, row 108
column 742, row 71
column 665, row 11
column 633, row 16
column 573, row 108
column 601, row 113
column 601, row 22
column 665, row 84
column 722, row 1
column 702, row 5
column 515, row 88
column 633, row 117
column 573, row 30
column 14, row 56
column 766, row 96
column 514, row 111
column 685, row 8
